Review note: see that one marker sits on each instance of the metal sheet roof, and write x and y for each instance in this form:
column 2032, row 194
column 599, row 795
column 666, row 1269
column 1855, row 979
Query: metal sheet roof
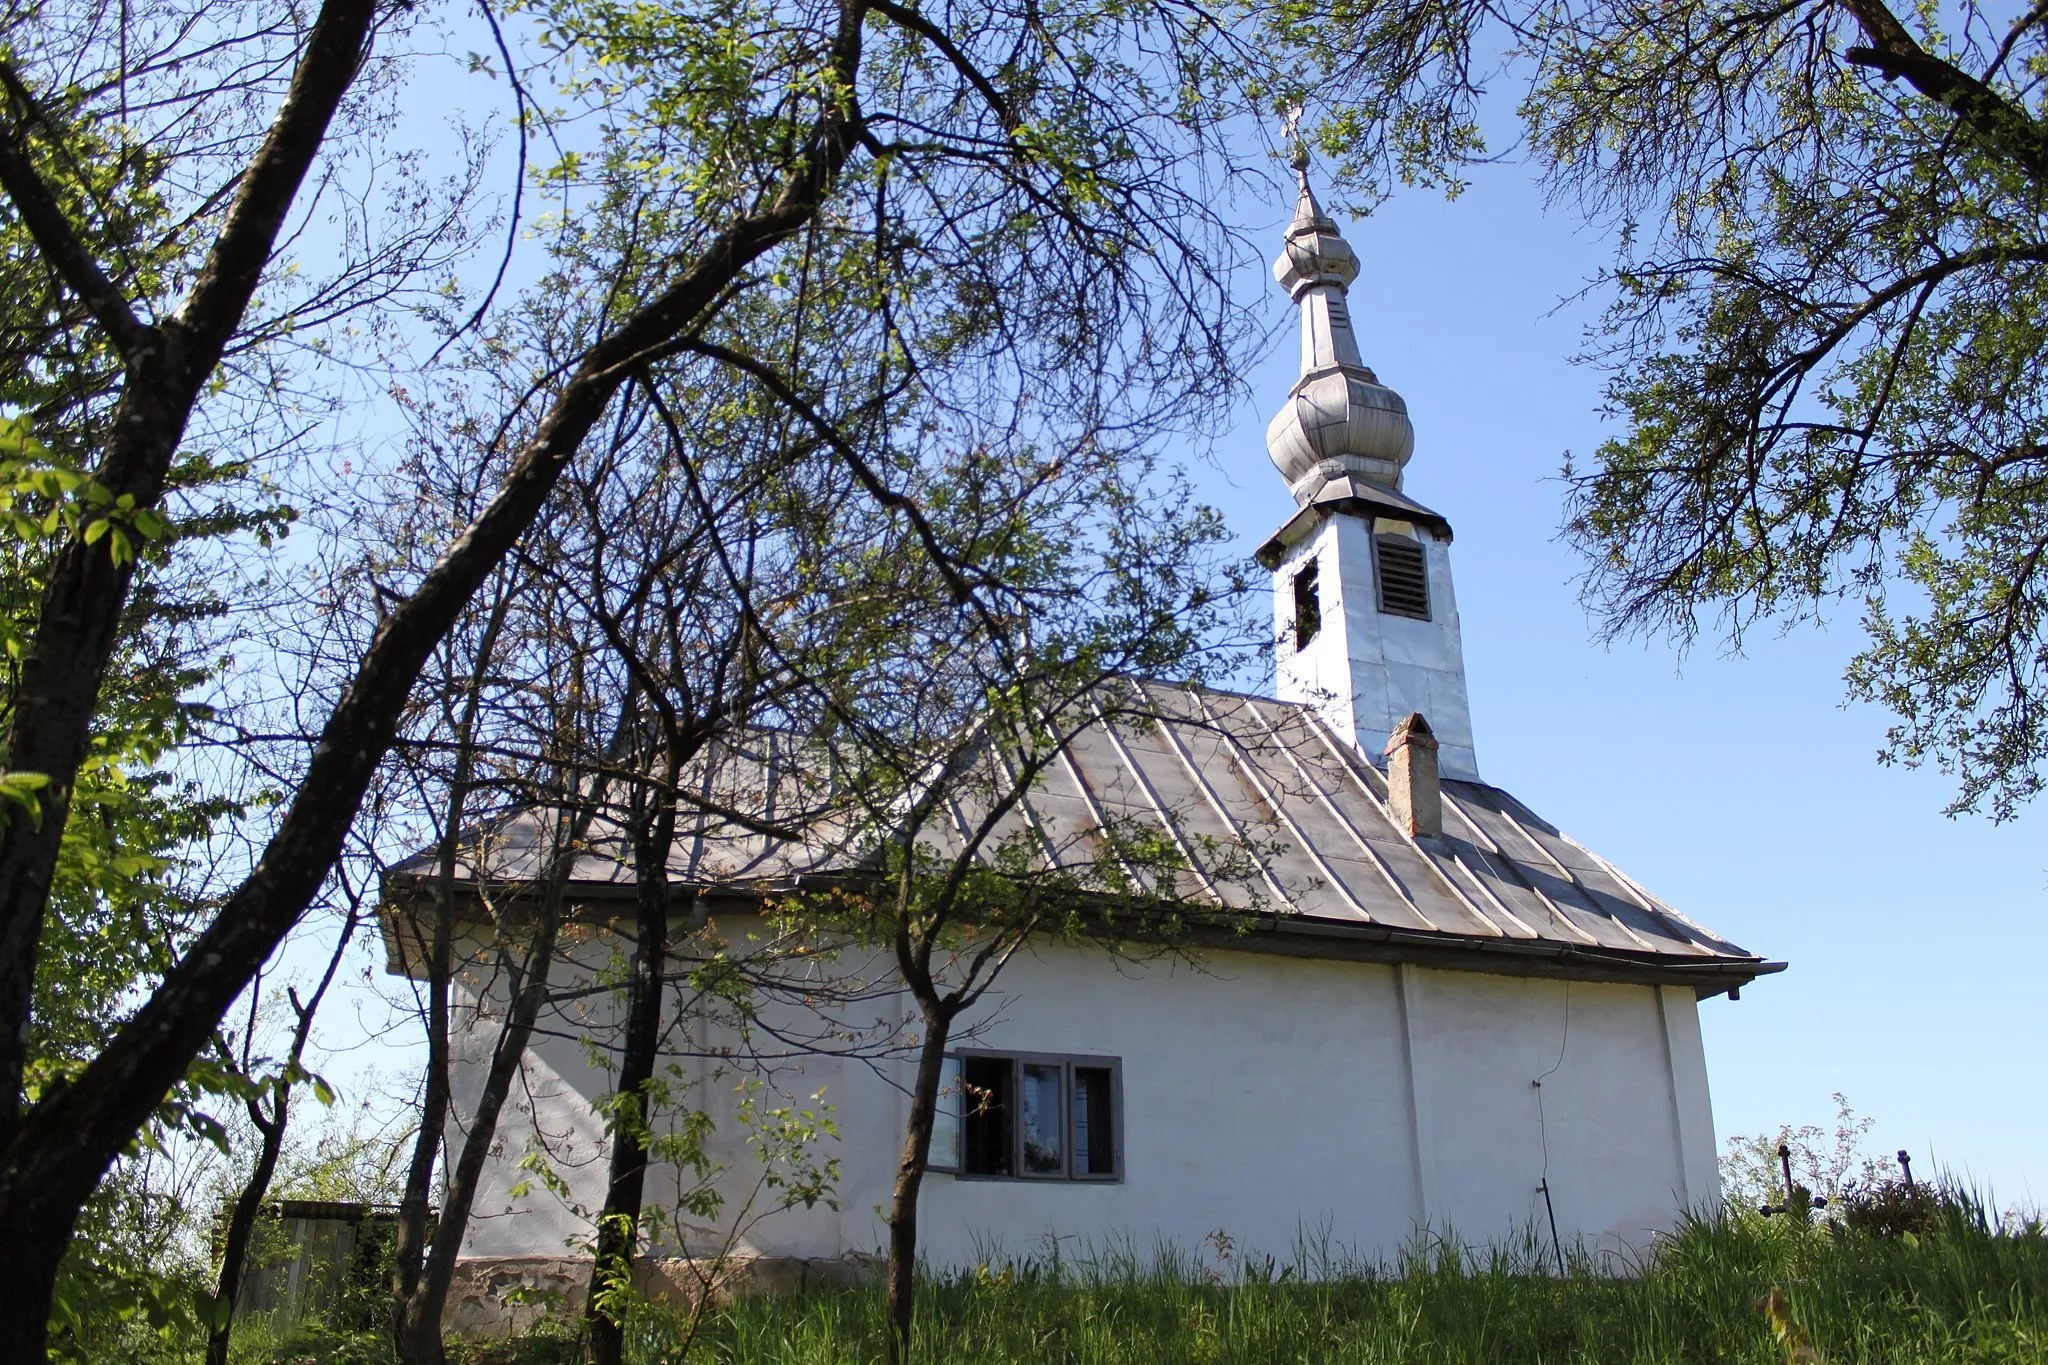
column 1218, row 773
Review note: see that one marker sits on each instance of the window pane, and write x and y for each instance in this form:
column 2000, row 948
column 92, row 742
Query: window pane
column 945, row 1151
column 1094, row 1121
column 1044, row 1124
column 985, row 1115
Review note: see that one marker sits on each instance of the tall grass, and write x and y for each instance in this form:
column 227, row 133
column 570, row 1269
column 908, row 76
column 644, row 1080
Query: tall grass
column 1966, row 1292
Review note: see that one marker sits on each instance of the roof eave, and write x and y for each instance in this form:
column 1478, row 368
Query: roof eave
column 1355, row 496
column 1310, row 936
column 1290, row 935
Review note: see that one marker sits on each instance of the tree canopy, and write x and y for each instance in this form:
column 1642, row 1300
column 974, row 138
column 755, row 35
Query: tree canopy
column 1824, row 324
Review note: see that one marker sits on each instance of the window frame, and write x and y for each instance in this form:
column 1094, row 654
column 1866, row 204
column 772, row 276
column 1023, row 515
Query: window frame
column 953, row 1163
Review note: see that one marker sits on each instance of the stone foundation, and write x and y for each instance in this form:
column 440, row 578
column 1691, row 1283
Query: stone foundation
column 492, row 1297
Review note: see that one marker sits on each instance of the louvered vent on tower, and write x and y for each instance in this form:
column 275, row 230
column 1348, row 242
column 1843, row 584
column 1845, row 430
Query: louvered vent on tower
column 1404, row 586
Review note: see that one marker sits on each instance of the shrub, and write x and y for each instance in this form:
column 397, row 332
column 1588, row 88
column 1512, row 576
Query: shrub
column 1891, row 1208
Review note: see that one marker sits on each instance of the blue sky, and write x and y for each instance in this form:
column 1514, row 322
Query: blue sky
column 1739, row 789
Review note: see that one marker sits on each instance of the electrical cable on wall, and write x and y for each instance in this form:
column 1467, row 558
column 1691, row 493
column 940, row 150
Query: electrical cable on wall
column 1543, row 1128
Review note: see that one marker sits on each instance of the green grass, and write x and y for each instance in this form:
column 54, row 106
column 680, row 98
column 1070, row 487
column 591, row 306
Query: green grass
column 1963, row 1294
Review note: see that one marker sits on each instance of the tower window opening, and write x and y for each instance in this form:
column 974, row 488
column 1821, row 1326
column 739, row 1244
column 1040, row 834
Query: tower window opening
column 1308, row 606
column 1403, row 582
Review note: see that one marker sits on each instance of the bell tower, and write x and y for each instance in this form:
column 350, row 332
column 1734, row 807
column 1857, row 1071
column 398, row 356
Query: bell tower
column 1365, row 620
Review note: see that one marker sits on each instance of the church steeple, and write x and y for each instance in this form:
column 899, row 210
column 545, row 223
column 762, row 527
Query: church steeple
column 1337, row 411
column 1365, row 620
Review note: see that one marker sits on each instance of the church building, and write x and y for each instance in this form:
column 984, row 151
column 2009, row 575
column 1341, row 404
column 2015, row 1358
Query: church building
column 1447, row 1017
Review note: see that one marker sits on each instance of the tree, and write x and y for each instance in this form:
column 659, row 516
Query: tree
column 1090, row 577
column 691, row 657
column 135, row 866
column 128, row 193
column 140, row 838
column 269, row 1120
column 1824, row 327
column 1024, row 202
column 574, row 786
column 736, row 589
column 612, row 588
column 461, row 698
column 164, row 367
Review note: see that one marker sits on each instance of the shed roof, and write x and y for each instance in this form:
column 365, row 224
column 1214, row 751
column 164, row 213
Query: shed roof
column 1217, row 772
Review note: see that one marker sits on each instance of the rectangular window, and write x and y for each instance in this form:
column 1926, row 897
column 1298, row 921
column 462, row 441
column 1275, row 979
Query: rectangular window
column 1308, row 606
column 1029, row 1117
column 1404, row 583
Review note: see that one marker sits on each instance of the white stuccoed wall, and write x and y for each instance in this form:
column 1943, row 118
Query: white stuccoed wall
column 551, row 1115
column 1262, row 1096
column 1365, row 670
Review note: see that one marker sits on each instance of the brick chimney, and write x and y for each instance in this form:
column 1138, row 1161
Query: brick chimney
column 1412, row 783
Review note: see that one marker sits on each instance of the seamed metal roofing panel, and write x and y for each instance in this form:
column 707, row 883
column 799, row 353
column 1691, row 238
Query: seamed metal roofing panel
column 1221, row 775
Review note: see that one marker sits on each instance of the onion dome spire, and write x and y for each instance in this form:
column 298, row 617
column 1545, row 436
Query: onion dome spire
column 1339, row 419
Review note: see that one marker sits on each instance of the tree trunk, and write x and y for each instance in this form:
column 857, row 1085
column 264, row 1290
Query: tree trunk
column 409, row 1241
column 618, row 1225
column 240, row 1224
column 917, row 1144
column 417, row 1318
column 418, row 1326
column 272, row 1125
